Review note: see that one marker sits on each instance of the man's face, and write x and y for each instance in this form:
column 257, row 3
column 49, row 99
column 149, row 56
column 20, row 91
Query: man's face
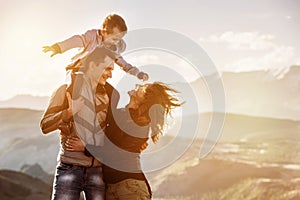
column 113, row 38
column 105, row 74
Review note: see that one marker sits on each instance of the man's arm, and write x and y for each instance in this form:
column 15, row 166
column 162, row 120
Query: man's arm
column 56, row 112
column 60, row 110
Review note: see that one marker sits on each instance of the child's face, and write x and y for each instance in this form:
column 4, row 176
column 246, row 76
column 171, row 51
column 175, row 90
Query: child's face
column 113, row 38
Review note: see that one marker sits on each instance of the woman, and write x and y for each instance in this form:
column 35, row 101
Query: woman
column 127, row 136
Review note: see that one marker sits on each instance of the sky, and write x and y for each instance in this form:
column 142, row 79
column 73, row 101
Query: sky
column 236, row 35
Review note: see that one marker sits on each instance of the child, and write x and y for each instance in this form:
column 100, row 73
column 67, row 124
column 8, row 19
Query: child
column 110, row 36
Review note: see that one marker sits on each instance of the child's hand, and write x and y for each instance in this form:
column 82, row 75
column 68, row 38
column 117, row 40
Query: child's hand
column 49, row 48
column 55, row 49
column 145, row 77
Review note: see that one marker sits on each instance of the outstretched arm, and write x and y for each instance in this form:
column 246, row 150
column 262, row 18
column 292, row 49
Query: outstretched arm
column 128, row 68
column 76, row 41
column 55, row 49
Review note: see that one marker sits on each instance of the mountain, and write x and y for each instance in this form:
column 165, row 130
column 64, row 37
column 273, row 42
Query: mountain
column 25, row 101
column 212, row 179
column 256, row 162
column 37, row 171
column 253, row 152
column 256, row 93
column 19, row 186
column 22, row 142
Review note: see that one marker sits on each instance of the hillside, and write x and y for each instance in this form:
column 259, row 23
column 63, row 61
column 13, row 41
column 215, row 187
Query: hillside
column 25, row 101
column 22, row 141
column 21, row 136
column 19, row 186
column 251, row 151
column 264, row 166
column 213, row 179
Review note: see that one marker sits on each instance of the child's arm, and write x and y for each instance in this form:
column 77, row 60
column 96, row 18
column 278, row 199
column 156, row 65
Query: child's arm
column 76, row 41
column 61, row 47
column 128, row 68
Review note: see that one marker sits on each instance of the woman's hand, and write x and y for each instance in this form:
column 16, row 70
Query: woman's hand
column 75, row 144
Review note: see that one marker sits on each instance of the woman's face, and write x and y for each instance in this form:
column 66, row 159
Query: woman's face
column 137, row 95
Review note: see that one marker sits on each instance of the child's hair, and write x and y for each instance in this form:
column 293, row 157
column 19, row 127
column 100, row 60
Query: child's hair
column 112, row 21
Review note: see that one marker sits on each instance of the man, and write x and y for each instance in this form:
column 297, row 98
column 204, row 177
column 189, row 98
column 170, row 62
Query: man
column 82, row 117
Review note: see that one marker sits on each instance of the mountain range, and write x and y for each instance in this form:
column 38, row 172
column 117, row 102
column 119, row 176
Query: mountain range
column 26, row 101
column 256, row 93
column 254, row 155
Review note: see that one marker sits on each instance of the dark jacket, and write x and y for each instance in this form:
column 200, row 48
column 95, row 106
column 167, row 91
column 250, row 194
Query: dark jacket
column 123, row 144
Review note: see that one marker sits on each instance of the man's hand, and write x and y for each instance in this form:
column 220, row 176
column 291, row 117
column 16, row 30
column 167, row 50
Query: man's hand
column 74, row 144
column 74, row 105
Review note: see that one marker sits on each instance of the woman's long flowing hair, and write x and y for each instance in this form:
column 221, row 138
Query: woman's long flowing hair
column 159, row 102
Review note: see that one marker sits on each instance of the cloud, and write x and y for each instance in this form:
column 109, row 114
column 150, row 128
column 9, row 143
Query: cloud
column 276, row 60
column 243, row 40
column 253, row 51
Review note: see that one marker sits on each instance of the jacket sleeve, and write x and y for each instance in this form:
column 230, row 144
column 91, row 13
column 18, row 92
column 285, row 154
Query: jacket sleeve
column 125, row 66
column 76, row 41
column 70, row 43
column 55, row 112
column 128, row 68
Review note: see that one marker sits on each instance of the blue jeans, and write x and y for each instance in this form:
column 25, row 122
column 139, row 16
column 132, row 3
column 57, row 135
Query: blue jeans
column 71, row 180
